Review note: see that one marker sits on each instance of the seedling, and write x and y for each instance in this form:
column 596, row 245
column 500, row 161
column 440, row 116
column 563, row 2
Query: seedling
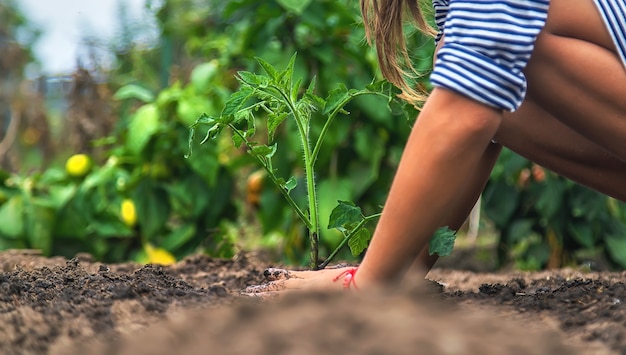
column 277, row 97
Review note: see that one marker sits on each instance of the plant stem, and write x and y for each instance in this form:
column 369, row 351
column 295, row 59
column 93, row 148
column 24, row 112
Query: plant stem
column 311, row 193
column 347, row 238
column 272, row 176
column 309, row 163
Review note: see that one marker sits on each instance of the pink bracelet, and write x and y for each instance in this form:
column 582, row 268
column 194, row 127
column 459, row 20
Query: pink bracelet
column 348, row 278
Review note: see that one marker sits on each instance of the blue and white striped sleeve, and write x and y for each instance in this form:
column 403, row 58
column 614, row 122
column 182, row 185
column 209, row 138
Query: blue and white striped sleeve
column 487, row 45
column 441, row 12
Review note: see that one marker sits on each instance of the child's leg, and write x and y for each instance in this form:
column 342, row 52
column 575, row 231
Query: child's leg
column 540, row 137
column 574, row 118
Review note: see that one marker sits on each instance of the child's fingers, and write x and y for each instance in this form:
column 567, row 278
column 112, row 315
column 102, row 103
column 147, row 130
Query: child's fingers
column 273, row 286
column 273, row 274
column 262, row 295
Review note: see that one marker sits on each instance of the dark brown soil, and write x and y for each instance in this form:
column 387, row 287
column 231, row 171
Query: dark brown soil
column 56, row 306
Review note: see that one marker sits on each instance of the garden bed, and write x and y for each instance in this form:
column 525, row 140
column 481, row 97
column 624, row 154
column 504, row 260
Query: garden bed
column 58, row 306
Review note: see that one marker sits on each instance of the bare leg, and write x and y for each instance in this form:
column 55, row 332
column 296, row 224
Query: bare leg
column 573, row 121
column 540, row 137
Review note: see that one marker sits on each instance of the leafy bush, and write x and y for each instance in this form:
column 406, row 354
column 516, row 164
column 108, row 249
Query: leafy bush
column 144, row 196
column 548, row 221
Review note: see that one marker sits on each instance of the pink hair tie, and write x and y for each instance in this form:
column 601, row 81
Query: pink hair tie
column 348, row 278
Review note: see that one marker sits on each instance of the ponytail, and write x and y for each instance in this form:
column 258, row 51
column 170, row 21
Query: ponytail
column 383, row 21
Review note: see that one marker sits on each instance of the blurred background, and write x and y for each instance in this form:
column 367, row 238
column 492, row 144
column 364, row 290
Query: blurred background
column 96, row 100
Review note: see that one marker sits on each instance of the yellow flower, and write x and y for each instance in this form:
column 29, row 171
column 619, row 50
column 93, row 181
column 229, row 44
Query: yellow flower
column 78, row 165
column 159, row 255
column 128, row 212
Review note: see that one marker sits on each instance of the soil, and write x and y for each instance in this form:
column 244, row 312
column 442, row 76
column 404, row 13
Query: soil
column 78, row 306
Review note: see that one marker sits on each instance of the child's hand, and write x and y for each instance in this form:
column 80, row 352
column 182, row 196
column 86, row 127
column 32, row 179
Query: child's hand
column 281, row 281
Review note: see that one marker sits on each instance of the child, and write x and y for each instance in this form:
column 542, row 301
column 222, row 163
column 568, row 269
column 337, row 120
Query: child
column 546, row 79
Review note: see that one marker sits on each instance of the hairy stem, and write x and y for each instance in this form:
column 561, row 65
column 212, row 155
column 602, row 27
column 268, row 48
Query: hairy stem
column 310, row 178
column 274, row 179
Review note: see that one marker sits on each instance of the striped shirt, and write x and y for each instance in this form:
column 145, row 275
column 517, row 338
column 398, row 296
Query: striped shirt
column 487, row 46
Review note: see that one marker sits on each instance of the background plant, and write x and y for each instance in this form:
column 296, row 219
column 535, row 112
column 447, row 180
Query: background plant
column 547, row 221
column 79, row 209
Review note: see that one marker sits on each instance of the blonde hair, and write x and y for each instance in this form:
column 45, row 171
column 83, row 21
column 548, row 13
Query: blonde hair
column 384, row 26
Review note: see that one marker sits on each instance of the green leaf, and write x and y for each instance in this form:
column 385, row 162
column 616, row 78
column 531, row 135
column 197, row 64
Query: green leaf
column 99, row 177
column 335, row 97
column 328, row 192
column 296, row 89
column 145, row 123
column 442, row 242
column 310, row 90
column 500, row 201
column 382, row 86
column 12, row 217
column 273, row 121
column 616, row 247
column 236, row 101
column 178, row 237
column 582, row 233
column 586, row 203
column 132, row 91
column 110, row 228
column 296, row 6
column 286, row 76
column 212, row 133
column 290, row 184
column 72, row 219
column 269, row 69
column 189, row 107
column 263, row 150
column 202, row 75
column 206, row 164
column 551, row 199
column 237, row 139
column 518, row 230
column 252, row 79
column 359, row 241
column 60, row 195
column 251, row 123
column 4, row 175
column 169, row 95
column 344, row 216
column 153, row 208
column 184, row 196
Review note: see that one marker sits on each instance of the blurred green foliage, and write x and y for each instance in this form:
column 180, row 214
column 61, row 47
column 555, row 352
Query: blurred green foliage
column 545, row 220
column 179, row 202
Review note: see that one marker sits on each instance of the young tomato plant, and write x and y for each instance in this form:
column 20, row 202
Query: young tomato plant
column 277, row 97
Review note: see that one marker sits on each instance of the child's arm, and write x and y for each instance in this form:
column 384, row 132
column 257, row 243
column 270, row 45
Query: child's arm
column 436, row 178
